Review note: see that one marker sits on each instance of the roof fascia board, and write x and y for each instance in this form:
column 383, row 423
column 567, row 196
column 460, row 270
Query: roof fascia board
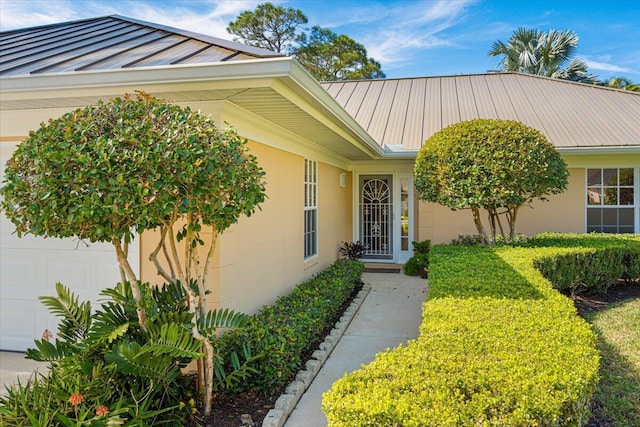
column 304, row 83
column 622, row 149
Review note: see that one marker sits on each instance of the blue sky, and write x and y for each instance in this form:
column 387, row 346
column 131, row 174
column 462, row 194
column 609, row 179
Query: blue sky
column 409, row 38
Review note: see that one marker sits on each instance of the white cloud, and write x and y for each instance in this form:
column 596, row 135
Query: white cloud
column 605, row 66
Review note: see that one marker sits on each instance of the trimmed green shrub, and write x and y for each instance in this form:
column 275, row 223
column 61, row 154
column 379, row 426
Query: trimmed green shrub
column 416, row 264
column 281, row 332
column 498, row 346
column 419, row 262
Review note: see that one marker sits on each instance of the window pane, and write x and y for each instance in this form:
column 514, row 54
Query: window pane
column 594, row 196
column 594, row 177
column 610, row 229
column 594, row 217
column 626, row 216
column 594, row 229
column 610, row 177
column 626, row 196
column 610, row 217
column 626, row 176
column 611, row 196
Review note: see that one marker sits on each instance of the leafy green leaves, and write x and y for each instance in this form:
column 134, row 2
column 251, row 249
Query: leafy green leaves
column 125, row 165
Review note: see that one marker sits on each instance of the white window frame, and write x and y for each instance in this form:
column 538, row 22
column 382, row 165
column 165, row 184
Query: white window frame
column 636, row 193
column 310, row 240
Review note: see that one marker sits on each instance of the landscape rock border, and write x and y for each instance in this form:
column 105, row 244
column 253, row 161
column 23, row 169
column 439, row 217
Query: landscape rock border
column 293, row 392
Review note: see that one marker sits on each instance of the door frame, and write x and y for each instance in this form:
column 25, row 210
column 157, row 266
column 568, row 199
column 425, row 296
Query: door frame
column 399, row 256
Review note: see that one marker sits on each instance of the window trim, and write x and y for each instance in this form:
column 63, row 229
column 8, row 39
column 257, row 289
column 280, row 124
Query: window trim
column 310, row 211
column 636, row 193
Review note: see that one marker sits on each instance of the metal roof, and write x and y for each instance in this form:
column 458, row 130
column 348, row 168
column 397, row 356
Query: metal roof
column 112, row 42
column 403, row 113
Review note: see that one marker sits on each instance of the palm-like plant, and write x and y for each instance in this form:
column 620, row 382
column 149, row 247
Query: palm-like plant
column 550, row 54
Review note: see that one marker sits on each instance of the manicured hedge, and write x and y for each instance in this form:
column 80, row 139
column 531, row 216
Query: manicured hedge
column 281, row 332
column 590, row 269
column 498, row 346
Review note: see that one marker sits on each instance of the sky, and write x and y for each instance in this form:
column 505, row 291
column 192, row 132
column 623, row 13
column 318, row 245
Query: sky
column 410, row 38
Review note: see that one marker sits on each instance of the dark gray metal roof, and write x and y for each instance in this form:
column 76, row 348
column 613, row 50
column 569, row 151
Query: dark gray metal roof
column 112, row 42
column 405, row 112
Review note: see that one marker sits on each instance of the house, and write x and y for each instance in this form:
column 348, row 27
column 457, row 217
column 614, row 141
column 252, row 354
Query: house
column 338, row 156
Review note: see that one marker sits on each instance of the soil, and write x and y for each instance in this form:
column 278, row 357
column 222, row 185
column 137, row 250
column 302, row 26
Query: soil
column 588, row 304
column 231, row 411
column 250, row 409
column 592, row 303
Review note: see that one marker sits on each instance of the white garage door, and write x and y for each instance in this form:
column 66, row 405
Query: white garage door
column 31, row 266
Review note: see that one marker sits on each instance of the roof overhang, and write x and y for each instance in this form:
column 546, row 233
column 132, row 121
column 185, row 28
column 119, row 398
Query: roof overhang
column 276, row 89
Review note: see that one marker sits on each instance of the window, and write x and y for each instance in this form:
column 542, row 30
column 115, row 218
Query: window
column 612, row 200
column 310, row 208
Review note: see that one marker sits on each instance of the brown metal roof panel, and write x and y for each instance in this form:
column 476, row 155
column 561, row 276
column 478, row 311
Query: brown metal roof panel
column 398, row 114
column 357, row 97
column 240, row 57
column 413, row 136
column 369, row 103
column 500, row 97
column 21, row 39
column 544, row 100
column 47, row 43
column 432, row 120
column 110, row 57
column 209, row 54
column 523, row 110
column 466, row 99
column 383, row 107
column 483, row 100
column 131, row 51
column 172, row 54
column 449, row 101
column 345, row 93
column 333, row 88
column 46, row 60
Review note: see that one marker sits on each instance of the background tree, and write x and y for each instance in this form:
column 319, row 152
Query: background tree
column 325, row 54
column 496, row 165
column 105, row 172
column 622, row 83
column 549, row 54
column 269, row 27
column 329, row 56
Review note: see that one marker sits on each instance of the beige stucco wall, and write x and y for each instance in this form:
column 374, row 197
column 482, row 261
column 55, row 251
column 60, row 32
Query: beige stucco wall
column 563, row 212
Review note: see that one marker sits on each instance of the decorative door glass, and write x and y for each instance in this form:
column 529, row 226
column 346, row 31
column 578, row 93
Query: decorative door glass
column 376, row 213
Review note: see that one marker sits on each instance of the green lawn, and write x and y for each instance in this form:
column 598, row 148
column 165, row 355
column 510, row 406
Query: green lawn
column 617, row 398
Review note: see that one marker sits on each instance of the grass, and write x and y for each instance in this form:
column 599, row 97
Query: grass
column 617, row 399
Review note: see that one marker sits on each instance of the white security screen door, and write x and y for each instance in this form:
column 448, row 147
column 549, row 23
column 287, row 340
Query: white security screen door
column 376, row 216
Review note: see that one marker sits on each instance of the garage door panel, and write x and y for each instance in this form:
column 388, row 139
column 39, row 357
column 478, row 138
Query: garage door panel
column 21, row 321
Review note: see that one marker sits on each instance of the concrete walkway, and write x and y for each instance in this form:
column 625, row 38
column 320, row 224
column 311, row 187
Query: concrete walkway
column 390, row 315
column 14, row 367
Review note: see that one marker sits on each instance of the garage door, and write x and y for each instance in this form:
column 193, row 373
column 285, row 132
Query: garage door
column 31, row 266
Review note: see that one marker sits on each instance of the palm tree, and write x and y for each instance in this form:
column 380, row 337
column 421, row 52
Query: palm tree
column 550, row 54
column 622, row 83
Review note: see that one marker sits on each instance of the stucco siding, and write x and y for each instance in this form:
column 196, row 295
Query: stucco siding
column 562, row 212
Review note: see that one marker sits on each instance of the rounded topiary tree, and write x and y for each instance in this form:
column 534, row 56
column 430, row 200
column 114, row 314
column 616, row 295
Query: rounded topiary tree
column 496, row 165
column 108, row 171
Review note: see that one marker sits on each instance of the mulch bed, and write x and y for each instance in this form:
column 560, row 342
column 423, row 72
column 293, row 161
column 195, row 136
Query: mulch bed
column 237, row 410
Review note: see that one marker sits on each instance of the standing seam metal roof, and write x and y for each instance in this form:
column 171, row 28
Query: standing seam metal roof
column 112, row 42
column 406, row 112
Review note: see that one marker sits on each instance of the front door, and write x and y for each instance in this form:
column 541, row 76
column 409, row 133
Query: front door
column 376, row 216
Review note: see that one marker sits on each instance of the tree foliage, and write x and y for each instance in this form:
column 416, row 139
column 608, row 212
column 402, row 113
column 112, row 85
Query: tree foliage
column 496, row 165
column 549, row 54
column 622, row 83
column 325, row 54
column 329, row 56
column 269, row 27
column 107, row 171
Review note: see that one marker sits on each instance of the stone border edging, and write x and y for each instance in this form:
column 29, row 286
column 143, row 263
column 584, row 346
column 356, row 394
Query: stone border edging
column 293, row 392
